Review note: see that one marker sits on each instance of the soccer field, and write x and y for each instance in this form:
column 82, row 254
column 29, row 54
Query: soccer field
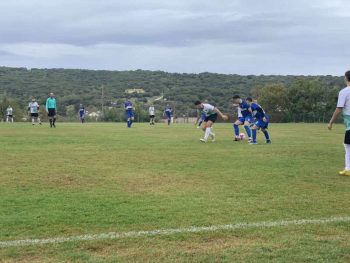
column 93, row 179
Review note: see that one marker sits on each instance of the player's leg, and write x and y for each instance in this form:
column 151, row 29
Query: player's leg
column 54, row 118
column 236, row 129
column 7, row 118
column 207, row 132
column 255, row 128
column 33, row 119
column 346, row 171
column 247, row 130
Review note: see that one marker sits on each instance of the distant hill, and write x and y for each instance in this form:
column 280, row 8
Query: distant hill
column 75, row 86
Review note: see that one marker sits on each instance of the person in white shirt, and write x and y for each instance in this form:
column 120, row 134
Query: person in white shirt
column 33, row 108
column 151, row 112
column 211, row 114
column 9, row 114
column 343, row 106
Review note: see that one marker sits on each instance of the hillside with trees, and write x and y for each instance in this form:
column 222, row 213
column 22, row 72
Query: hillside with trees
column 286, row 98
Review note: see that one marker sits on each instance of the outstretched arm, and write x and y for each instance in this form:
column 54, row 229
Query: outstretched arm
column 223, row 116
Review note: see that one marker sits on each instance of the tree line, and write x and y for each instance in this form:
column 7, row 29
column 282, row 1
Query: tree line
column 285, row 98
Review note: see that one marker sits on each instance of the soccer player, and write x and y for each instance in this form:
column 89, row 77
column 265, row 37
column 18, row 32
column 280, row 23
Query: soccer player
column 33, row 108
column 151, row 112
column 244, row 117
column 9, row 114
column 168, row 112
column 211, row 114
column 129, row 112
column 200, row 118
column 51, row 109
column 261, row 120
column 343, row 106
column 82, row 113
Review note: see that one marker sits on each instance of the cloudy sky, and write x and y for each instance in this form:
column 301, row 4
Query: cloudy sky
column 225, row 36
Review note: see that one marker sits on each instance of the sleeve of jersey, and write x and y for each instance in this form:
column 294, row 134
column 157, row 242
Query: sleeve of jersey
column 341, row 100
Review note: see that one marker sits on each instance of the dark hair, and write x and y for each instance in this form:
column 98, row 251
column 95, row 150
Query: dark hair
column 197, row 102
column 236, row 97
column 249, row 99
column 347, row 75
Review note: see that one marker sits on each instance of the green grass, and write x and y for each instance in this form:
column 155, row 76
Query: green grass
column 98, row 178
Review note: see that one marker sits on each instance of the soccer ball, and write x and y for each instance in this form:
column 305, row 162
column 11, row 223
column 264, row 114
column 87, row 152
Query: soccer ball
column 242, row 136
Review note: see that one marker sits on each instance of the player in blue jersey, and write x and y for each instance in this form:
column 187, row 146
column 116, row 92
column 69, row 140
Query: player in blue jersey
column 244, row 117
column 129, row 112
column 261, row 120
column 168, row 113
column 82, row 113
column 200, row 118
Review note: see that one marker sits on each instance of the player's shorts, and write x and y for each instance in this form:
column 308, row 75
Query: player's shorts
column 168, row 116
column 10, row 116
column 51, row 113
column 261, row 124
column 211, row 118
column 245, row 119
column 347, row 137
column 35, row 115
column 151, row 116
column 129, row 114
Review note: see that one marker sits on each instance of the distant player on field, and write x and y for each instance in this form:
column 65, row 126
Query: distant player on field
column 82, row 113
column 244, row 117
column 261, row 120
column 168, row 113
column 33, row 109
column 151, row 112
column 129, row 113
column 9, row 114
column 343, row 106
column 211, row 114
column 51, row 109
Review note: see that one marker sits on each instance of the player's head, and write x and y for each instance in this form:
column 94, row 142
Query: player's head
column 81, row 106
column 52, row 95
column 236, row 99
column 33, row 99
column 347, row 77
column 249, row 99
column 198, row 104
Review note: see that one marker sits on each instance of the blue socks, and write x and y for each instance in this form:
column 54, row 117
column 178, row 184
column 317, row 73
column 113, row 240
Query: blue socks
column 266, row 135
column 129, row 122
column 247, row 129
column 235, row 126
column 254, row 135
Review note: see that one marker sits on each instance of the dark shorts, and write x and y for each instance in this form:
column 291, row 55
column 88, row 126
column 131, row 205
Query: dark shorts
column 211, row 118
column 10, row 116
column 35, row 115
column 51, row 112
column 347, row 137
column 151, row 116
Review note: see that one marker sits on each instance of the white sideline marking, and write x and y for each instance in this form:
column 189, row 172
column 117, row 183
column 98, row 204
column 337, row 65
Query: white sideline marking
column 193, row 229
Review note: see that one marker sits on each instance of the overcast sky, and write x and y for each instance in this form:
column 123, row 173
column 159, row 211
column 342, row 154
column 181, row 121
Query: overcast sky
column 225, row 36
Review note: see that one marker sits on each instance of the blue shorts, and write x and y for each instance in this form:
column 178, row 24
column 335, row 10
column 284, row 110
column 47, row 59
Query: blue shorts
column 129, row 114
column 244, row 119
column 261, row 124
column 168, row 116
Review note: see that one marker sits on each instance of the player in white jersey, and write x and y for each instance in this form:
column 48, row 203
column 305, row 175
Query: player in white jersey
column 211, row 114
column 343, row 107
column 33, row 108
column 151, row 112
column 9, row 114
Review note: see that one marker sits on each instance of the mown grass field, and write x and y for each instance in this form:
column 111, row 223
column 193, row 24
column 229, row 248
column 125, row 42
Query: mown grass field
column 96, row 178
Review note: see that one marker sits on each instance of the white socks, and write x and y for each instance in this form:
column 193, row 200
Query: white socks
column 347, row 157
column 208, row 133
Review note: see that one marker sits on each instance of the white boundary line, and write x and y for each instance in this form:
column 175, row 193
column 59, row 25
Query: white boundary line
column 160, row 232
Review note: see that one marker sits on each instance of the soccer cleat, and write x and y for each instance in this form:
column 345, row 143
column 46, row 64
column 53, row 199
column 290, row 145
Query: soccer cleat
column 345, row 173
column 268, row 141
column 237, row 139
column 253, row 143
column 250, row 140
column 213, row 137
column 203, row 140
